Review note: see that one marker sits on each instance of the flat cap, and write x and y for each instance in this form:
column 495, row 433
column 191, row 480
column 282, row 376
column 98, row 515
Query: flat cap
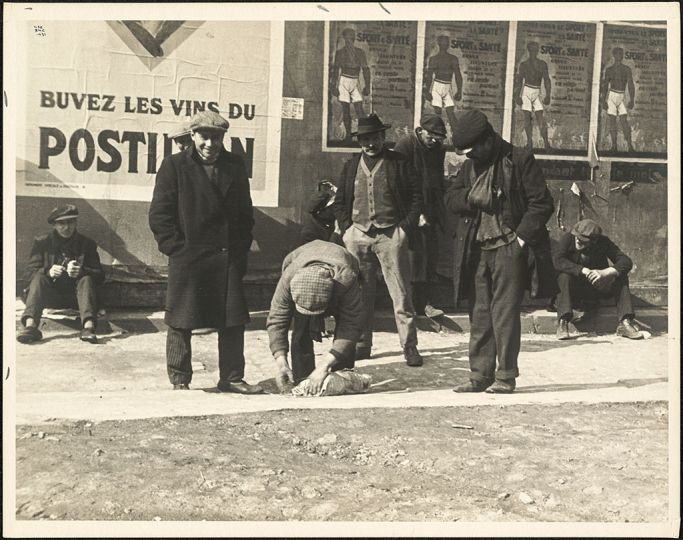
column 209, row 120
column 62, row 213
column 433, row 124
column 586, row 230
column 470, row 126
column 311, row 289
column 183, row 129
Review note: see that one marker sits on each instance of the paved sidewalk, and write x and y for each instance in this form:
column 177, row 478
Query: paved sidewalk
column 124, row 376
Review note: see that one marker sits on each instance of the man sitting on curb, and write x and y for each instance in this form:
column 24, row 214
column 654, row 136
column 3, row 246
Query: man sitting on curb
column 581, row 259
column 317, row 278
column 63, row 267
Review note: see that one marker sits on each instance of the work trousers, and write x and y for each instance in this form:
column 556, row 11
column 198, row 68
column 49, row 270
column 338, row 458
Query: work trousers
column 388, row 248
column 62, row 292
column 305, row 328
column 423, row 259
column 495, row 331
column 230, row 354
column 574, row 289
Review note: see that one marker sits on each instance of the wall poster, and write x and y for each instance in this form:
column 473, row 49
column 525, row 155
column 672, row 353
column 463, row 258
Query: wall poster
column 93, row 133
column 552, row 86
column 464, row 68
column 633, row 103
column 370, row 67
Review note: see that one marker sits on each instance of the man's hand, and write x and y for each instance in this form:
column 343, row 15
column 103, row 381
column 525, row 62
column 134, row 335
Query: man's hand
column 316, row 379
column 518, row 100
column 458, row 96
column 546, row 100
column 603, row 104
column 366, row 90
column 73, row 269
column 56, row 270
column 423, row 221
column 427, row 94
column 629, row 106
column 334, row 91
column 284, row 378
column 606, row 279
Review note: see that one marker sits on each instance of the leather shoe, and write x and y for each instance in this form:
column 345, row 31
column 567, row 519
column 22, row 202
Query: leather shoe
column 29, row 334
column 363, row 353
column 502, row 386
column 563, row 329
column 432, row 312
column 182, row 386
column 471, row 387
column 88, row 335
column 239, row 387
column 628, row 329
column 413, row 358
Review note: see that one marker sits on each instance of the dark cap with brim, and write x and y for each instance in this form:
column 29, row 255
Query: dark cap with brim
column 370, row 124
column 62, row 213
column 586, row 230
column 470, row 127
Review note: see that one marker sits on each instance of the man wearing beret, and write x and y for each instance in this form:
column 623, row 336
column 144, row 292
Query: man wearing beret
column 378, row 206
column 64, row 266
column 503, row 203
column 424, row 149
column 318, row 278
column 201, row 216
column 582, row 258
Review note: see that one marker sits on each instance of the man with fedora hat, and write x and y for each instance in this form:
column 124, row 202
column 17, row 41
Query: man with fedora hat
column 318, row 278
column 378, row 206
column 63, row 267
column 501, row 198
column 582, row 258
column 201, row 216
column 424, row 149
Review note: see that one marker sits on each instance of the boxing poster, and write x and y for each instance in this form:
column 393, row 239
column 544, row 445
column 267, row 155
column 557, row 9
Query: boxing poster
column 551, row 96
column 369, row 67
column 632, row 119
column 100, row 100
column 464, row 68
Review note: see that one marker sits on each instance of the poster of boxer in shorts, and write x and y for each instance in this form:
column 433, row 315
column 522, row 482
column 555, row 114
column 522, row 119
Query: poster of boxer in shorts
column 370, row 67
column 633, row 102
column 552, row 86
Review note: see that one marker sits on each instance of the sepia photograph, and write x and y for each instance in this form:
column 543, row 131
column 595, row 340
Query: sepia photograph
column 341, row 269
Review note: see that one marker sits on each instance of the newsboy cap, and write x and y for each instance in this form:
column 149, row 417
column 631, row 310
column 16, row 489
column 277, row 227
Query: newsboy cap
column 62, row 213
column 586, row 230
column 311, row 289
column 183, row 129
column 433, row 124
column 209, row 120
column 370, row 124
column 470, row 126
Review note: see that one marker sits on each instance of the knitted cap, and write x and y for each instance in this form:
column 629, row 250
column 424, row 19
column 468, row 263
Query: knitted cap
column 586, row 230
column 311, row 289
column 470, row 126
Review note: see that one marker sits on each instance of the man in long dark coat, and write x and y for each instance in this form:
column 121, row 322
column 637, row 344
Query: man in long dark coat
column 201, row 216
column 503, row 201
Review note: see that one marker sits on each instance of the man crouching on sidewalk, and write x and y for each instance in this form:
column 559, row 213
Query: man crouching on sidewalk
column 318, row 278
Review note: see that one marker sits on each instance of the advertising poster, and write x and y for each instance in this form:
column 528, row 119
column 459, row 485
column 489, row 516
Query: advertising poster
column 464, row 68
column 633, row 92
column 552, row 87
column 370, row 67
column 100, row 102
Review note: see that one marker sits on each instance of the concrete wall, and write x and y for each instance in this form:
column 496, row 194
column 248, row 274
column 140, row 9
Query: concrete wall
column 636, row 221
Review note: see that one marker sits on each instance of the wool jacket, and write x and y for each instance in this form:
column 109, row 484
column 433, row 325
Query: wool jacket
column 345, row 305
column 567, row 258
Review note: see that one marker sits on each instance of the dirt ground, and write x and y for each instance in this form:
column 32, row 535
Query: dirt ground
column 568, row 462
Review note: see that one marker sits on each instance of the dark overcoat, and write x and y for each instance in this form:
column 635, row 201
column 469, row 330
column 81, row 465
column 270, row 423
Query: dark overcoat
column 526, row 207
column 404, row 187
column 205, row 229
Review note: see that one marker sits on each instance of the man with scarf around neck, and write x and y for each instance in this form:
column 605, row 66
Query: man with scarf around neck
column 503, row 201
column 378, row 205
column 63, row 269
